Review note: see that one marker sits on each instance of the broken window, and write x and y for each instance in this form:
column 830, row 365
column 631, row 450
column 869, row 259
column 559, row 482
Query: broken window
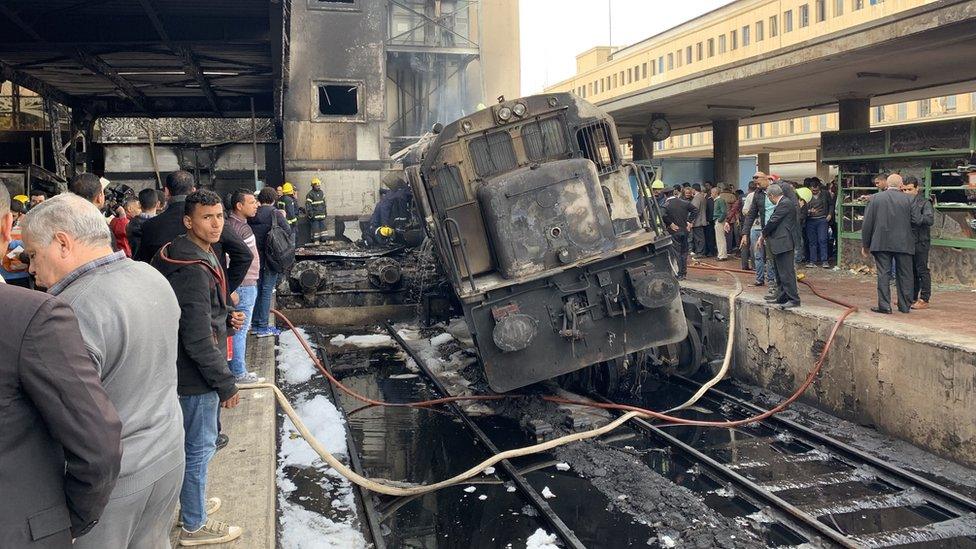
column 338, row 99
column 597, row 144
column 544, row 139
column 492, row 154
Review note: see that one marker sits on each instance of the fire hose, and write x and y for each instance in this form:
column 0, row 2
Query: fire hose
column 397, row 488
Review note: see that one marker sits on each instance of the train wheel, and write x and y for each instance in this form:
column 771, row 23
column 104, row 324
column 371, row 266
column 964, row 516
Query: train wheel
column 687, row 356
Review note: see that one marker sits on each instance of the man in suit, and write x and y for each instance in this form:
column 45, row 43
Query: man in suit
column 887, row 234
column 698, row 200
column 779, row 236
column 678, row 215
column 762, row 209
column 60, row 444
column 162, row 229
column 923, row 217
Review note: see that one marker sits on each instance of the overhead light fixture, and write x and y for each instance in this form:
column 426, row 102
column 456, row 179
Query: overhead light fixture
column 732, row 107
column 888, row 76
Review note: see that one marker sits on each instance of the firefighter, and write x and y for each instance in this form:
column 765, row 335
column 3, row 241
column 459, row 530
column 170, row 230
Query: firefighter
column 315, row 210
column 289, row 205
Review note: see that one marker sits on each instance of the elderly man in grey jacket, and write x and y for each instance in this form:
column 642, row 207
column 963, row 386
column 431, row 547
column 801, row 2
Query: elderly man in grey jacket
column 886, row 233
column 129, row 319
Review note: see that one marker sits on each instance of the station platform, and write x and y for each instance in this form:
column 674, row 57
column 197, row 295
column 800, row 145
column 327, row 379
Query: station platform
column 242, row 474
column 912, row 375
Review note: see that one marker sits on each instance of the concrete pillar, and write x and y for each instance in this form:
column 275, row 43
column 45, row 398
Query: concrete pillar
column 637, row 144
column 854, row 113
column 823, row 170
column 725, row 150
column 762, row 161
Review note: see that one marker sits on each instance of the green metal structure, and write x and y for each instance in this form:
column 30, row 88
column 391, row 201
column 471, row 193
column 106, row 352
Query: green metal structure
column 931, row 151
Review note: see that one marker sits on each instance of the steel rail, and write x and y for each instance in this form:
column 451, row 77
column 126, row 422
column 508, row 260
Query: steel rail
column 847, row 451
column 811, row 527
column 372, row 517
column 534, row 497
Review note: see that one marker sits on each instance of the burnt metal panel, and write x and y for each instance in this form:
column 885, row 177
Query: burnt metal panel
column 545, row 217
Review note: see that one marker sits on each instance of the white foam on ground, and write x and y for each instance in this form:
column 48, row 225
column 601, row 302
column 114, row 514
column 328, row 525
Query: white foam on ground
column 303, row 529
column 562, row 466
column 547, row 493
column 363, row 341
column 541, row 540
column 441, row 339
column 294, row 364
column 326, row 424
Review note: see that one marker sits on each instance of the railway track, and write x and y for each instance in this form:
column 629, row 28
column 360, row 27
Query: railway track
column 818, row 490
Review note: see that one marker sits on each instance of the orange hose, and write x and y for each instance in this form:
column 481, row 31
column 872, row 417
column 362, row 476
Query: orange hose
column 811, row 376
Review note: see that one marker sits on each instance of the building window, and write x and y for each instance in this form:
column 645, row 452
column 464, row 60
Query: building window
column 745, row 36
column 924, row 108
column 637, row 72
column 879, row 114
column 602, row 86
column 792, row 126
column 804, row 15
column 679, row 57
column 949, row 103
column 643, row 70
column 759, row 31
column 823, row 122
column 788, row 21
column 338, row 100
column 875, row 2
column 700, row 53
column 660, row 64
column 342, row 5
column 902, row 111
column 614, row 85
column 688, row 55
column 773, row 26
column 711, row 47
column 838, row 8
column 734, row 39
column 821, row 7
column 749, row 131
column 857, row 4
column 721, row 44
column 774, row 127
column 806, row 124
column 630, row 76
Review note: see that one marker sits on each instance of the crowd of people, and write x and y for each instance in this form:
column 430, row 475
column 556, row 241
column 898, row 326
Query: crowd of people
column 108, row 430
column 720, row 221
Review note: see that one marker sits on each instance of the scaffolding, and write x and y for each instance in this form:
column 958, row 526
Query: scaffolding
column 432, row 71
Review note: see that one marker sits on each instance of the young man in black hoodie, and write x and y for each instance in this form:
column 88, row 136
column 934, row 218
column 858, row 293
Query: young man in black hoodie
column 204, row 381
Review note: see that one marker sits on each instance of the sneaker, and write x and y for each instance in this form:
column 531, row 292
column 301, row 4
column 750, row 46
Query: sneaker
column 250, row 377
column 825, row 265
column 213, row 505
column 810, row 265
column 211, row 533
column 222, row 441
column 267, row 331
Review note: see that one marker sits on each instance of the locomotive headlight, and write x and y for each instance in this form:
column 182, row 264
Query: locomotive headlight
column 504, row 114
column 514, row 332
column 519, row 109
column 466, row 125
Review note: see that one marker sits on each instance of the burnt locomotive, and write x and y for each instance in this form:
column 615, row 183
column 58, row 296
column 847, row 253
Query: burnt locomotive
column 534, row 219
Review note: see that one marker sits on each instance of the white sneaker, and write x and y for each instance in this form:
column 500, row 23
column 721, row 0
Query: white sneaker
column 213, row 505
column 211, row 533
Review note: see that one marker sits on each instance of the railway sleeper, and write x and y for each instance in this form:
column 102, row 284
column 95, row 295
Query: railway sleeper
column 906, row 498
column 937, row 531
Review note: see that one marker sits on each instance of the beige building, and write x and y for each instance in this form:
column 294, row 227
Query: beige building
column 741, row 31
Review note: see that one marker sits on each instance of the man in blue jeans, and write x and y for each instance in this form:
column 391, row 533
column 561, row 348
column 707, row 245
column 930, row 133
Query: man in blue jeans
column 819, row 211
column 261, row 224
column 204, row 383
column 244, row 206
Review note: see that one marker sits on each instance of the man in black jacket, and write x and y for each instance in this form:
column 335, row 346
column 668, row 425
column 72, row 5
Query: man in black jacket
column 266, row 217
column 762, row 209
column 678, row 215
column 923, row 217
column 148, row 203
column 779, row 236
column 886, row 233
column 162, row 229
column 60, row 444
column 204, row 381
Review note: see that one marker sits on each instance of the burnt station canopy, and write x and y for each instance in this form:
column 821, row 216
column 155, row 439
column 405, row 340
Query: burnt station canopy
column 183, row 58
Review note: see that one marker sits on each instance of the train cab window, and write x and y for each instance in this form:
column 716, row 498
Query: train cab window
column 492, row 154
column 596, row 143
column 449, row 190
column 543, row 139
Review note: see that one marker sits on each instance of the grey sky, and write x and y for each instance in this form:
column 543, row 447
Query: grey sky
column 554, row 31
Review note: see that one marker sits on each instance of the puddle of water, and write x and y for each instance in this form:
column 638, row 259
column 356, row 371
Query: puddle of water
column 425, row 446
column 872, row 521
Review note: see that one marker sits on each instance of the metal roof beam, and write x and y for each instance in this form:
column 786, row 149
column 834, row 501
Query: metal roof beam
column 185, row 53
column 35, row 84
column 98, row 66
column 21, row 24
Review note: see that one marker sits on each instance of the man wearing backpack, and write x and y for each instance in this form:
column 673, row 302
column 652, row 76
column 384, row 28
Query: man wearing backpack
column 278, row 241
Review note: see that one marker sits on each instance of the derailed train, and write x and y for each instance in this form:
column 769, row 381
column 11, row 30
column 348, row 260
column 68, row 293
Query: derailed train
column 556, row 265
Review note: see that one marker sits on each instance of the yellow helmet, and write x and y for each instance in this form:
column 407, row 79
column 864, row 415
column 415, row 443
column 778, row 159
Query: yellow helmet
column 287, row 188
column 316, row 181
column 22, row 198
column 658, row 184
column 385, row 231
